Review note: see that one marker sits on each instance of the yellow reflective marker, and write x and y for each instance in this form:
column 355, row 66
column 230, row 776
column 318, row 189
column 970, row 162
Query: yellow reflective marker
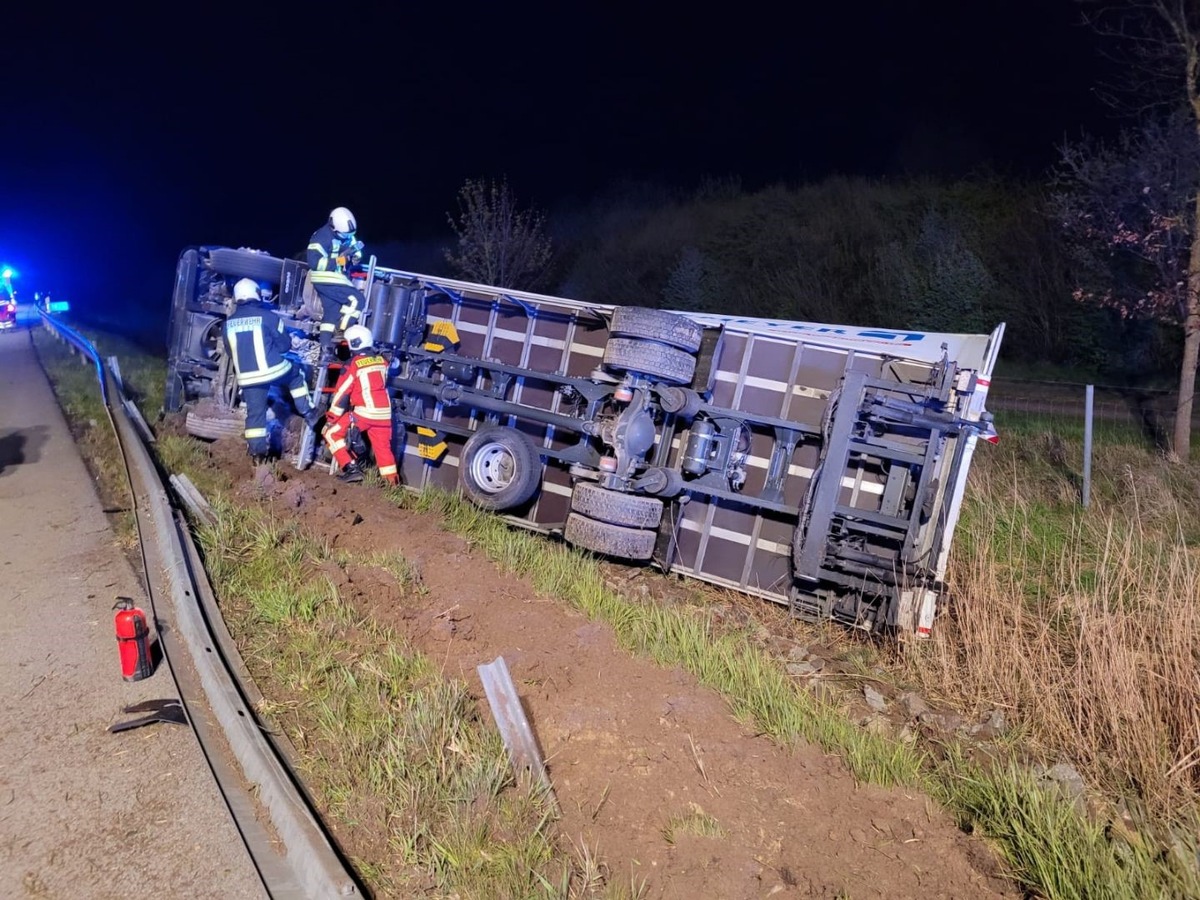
column 431, row 452
column 431, row 445
column 442, row 336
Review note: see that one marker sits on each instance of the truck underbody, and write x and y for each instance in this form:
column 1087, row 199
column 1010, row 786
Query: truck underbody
column 818, row 466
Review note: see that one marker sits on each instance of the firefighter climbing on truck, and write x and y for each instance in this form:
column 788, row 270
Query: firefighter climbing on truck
column 331, row 250
column 361, row 402
column 257, row 343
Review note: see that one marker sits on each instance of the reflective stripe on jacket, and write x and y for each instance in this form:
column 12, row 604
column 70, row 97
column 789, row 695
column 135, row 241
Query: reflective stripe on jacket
column 256, row 341
column 362, row 387
column 324, row 249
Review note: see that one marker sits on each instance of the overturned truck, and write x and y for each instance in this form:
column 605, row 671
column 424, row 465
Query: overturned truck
column 818, row 466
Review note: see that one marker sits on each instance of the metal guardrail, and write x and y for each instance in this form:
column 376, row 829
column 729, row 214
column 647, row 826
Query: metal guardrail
column 294, row 856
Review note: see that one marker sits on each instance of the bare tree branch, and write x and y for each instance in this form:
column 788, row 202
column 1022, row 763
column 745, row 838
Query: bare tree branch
column 1132, row 210
column 498, row 244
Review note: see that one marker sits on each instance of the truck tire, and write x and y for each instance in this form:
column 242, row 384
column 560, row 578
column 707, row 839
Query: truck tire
column 609, row 540
column 214, row 424
column 499, row 468
column 657, row 325
column 246, row 264
column 668, row 364
column 615, row 507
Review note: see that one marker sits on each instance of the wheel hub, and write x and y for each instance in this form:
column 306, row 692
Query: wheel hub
column 493, row 468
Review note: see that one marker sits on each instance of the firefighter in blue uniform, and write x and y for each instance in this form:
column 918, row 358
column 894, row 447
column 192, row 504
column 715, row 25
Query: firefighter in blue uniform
column 331, row 250
column 257, row 342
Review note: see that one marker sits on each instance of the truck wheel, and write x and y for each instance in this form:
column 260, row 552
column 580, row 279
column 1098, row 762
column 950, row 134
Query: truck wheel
column 609, row 540
column 668, row 364
column 657, row 325
column 615, row 507
column 246, row 264
column 499, row 468
column 214, row 424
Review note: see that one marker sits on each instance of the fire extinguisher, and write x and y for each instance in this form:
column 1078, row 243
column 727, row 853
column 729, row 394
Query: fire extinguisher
column 133, row 640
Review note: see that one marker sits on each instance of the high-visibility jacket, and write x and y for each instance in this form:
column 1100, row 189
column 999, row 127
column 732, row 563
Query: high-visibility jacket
column 256, row 342
column 362, row 388
column 328, row 255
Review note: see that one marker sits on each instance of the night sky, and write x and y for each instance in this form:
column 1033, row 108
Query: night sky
column 130, row 136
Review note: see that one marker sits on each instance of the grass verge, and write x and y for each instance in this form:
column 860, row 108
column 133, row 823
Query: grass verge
column 1083, row 625
column 1052, row 847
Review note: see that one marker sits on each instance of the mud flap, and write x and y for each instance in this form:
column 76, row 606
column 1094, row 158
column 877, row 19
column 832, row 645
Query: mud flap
column 915, row 611
column 926, row 613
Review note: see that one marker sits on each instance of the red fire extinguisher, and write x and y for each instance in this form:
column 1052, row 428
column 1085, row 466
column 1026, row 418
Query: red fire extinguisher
column 133, row 640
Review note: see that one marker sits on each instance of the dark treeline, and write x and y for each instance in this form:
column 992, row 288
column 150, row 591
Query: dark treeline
column 958, row 256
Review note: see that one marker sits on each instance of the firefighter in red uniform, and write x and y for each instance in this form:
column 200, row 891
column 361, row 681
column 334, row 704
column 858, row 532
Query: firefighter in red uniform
column 361, row 400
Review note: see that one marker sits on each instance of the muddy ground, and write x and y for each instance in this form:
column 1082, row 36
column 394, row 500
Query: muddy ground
column 630, row 744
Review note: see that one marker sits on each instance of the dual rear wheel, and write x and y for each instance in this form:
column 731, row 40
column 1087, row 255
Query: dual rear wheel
column 613, row 523
column 500, row 468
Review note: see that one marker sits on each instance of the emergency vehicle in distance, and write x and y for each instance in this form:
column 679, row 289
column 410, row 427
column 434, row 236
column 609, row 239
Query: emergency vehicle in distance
column 821, row 467
column 8, row 299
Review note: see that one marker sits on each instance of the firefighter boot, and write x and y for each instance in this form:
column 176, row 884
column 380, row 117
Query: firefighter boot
column 314, row 418
column 351, row 474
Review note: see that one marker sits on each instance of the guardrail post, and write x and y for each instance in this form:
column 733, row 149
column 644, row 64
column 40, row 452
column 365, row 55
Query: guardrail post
column 513, row 724
column 1089, row 397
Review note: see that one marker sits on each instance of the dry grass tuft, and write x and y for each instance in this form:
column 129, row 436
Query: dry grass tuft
column 1082, row 625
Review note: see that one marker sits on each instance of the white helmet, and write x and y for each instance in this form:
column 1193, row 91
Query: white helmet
column 342, row 221
column 245, row 290
column 359, row 337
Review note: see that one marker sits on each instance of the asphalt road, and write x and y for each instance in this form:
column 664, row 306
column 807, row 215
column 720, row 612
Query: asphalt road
column 85, row 813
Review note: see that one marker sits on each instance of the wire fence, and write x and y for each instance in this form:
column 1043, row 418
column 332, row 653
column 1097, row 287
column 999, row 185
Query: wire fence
column 1119, row 414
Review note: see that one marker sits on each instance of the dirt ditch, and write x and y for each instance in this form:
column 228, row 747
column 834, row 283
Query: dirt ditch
column 633, row 747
